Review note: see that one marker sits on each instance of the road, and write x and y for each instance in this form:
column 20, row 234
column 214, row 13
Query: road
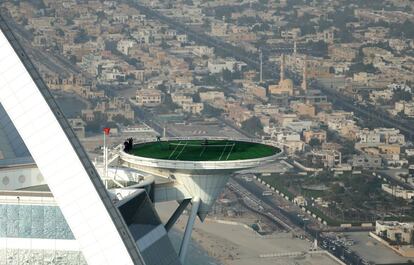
column 233, row 126
column 368, row 112
column 148, row 118
column 299, row 225
column 197, row 36
column 256, row 206
column 52, row 61
column 393, row 180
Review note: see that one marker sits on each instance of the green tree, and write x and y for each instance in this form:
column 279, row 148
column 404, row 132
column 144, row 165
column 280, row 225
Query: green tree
column 319, row 48
column 60, row 32
column 69, row 22
column 400, row 94
column 253, row 126
column 227, row 75
column 405, row 29
column 211, row 111
column 121, row 119
column 164, row 45
column 99, row 121
column 314, row 142
column 81, row 37
column 361, row 67
column 72, row 59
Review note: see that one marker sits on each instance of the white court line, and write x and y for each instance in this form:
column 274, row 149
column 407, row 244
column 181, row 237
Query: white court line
column 181, row 150
column 222, row 153
column 174, row 150
column 227, row 158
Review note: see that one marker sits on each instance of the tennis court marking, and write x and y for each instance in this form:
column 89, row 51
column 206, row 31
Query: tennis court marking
column 224, row 150
column 185, row 144
column 227, row 158
column 182, row 149
column 175, row 149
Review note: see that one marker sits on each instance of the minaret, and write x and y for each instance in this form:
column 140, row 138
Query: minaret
column 261, row 66
column 295, row 48
column 305, row 74
column 282, row 68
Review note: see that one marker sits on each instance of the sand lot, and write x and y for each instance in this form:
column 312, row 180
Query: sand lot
column 238, row 245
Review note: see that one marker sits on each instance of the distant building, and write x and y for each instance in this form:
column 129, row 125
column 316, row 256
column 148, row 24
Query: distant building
column 219, row 29
column 366, row 161
column 218, row 66
column 148, row 97
column 112, row 109
column 328, row 158
column 303, row 109
column 381, row 135
column 211, row 96
column 291, row 34
column 256, row 90
column 378, row 95
column 78, row 126
column 398, row 191
column 300, row 201
column 395, row 235
column 282, row 135
column 395, row 232
column 194, row 108
column 383, row 142
column 203, row 51
column 314, row 134
column 340, row 52
column 404, row 107
column 123, row 46
column 238, row 113
column 181, row 98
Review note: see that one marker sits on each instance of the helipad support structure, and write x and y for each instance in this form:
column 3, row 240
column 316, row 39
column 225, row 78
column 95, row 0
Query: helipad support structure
column 202, row 167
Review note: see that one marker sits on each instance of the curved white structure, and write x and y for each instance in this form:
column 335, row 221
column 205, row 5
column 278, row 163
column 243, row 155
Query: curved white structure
column 203, row 179
column 57, row 152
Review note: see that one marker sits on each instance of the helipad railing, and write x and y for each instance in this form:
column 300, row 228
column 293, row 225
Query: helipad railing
column 259, row 141
column 197, row 165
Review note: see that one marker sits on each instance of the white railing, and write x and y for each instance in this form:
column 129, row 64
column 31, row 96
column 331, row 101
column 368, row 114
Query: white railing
column 227, row 164
column 197, row 165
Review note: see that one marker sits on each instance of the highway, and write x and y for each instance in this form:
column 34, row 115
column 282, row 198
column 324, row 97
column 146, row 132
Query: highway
column 233, row 126
column 54, row 62
column 370, row 113
column 256, row 205
column 148, row 118
column 197, row 36
column 297, row 224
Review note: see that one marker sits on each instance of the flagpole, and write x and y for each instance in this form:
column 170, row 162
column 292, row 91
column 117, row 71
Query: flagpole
column 105, row 156
column 104, row 160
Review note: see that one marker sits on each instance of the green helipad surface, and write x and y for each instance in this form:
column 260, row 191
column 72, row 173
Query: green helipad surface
column 202, row 150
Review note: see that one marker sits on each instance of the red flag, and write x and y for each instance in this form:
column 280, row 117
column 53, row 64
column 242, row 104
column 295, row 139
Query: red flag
column 106, row 130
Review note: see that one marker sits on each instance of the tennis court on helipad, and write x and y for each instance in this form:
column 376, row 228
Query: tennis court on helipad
column 203, row 150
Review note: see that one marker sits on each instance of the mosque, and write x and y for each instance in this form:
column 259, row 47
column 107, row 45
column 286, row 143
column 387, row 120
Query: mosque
column 286, row 86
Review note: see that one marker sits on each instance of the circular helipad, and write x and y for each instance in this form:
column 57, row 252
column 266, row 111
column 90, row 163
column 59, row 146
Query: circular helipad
column 203, row 150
